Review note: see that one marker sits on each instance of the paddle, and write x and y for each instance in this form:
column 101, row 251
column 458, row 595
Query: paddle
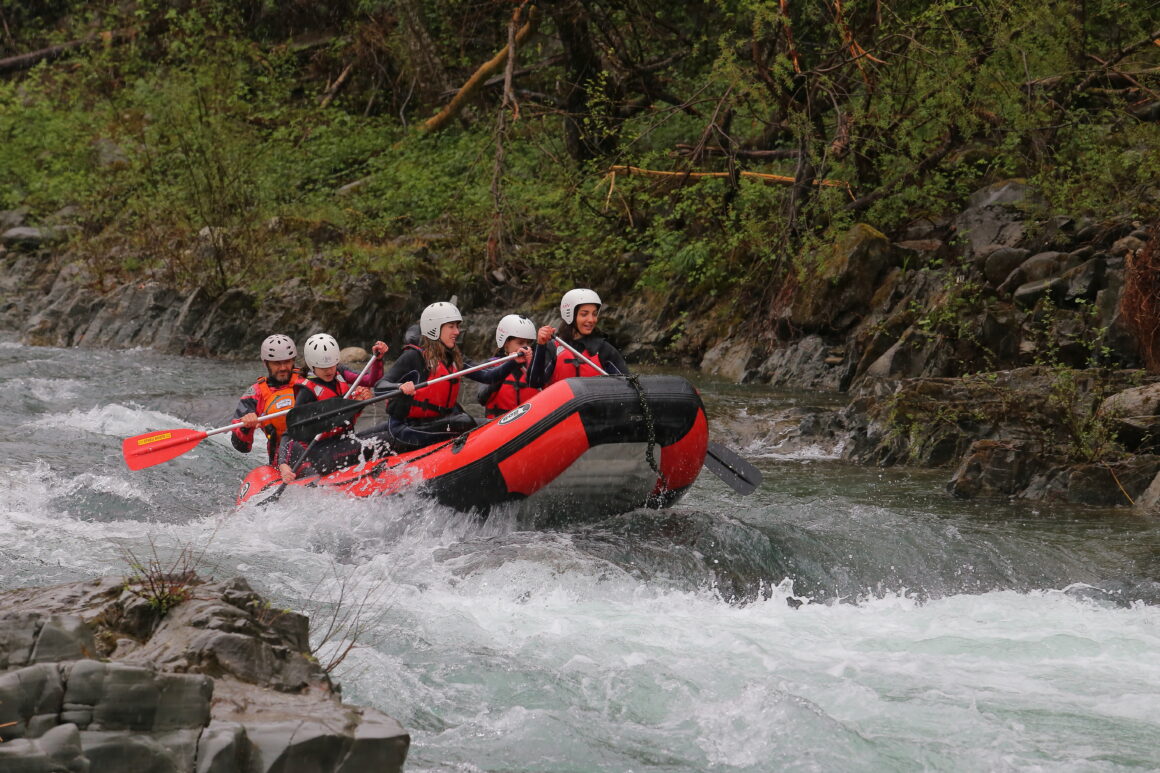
column 308, row 420
column 141, row 451
column 313, row 440
column 726, row 464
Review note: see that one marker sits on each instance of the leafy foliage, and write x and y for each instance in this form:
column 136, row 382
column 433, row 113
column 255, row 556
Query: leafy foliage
column 194, row 140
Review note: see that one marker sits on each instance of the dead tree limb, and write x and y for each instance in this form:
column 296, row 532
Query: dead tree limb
column 769, row 178
column 473, row 84
column 685, row 149
column 33, row 58
column 328, row 97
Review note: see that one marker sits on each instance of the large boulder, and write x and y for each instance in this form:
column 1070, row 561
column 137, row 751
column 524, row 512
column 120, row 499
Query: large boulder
column 997, row 215
column 221, row 682
column 838, row 292
column 734, row 359
column 1135, row 413
column 1000, row 262
column 992, row 468
column 1043, row 265
column 1103, row 484
column 809, row 363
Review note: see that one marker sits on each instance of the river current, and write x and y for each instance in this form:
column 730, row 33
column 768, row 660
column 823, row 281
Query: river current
column 840, row 619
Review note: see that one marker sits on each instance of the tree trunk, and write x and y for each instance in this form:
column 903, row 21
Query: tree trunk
column 582, row 69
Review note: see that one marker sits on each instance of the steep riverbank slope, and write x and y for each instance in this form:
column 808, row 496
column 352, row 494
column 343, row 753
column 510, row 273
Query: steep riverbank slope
column 997, row 342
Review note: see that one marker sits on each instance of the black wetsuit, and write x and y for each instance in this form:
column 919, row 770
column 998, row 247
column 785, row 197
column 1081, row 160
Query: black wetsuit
column 408, row 433
column 544, row 358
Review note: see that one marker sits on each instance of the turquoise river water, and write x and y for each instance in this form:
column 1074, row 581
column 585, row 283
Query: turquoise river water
column 840, row 619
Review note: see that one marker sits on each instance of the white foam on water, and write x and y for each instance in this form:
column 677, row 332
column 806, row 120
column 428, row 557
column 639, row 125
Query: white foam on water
column 50, row 390
column 111, row 419
column 512, row 650
column 507, row 650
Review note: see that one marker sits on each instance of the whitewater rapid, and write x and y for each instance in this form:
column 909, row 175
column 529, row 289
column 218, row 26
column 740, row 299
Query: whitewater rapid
column 841, row 619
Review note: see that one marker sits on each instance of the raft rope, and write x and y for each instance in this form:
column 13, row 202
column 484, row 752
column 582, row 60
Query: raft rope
column 650, row 427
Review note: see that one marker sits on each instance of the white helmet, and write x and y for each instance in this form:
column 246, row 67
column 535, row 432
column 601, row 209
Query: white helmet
column 513, row 325
column 277, row 348
column 574, row 298
column 435, row 316
column 321, row 351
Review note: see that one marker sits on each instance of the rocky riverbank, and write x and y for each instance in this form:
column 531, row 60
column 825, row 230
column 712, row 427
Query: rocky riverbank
column 111, row 675
column 993, row 342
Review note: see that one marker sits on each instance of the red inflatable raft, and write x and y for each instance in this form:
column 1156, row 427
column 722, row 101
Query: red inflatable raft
column 602, row 445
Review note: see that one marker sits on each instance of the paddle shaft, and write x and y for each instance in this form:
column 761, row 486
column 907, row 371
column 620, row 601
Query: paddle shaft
column 361, row 404
column 349, row 392
column 580, row 354
column 378, row 398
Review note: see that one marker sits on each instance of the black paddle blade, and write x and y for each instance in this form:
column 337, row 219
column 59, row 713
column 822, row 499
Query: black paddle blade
column 304, row 422
column 738, row 474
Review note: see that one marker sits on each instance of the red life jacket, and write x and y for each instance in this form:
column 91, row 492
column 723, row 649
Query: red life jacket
column 272, row 400
column 568, row 365
column 436, row 400
column 327, row 392
column 513, row 391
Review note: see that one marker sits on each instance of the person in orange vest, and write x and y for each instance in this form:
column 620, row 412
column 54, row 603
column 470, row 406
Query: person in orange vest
column 423, row 416
column 513, row 333
column 271, row 393
column 580, row 310
column 329, row 379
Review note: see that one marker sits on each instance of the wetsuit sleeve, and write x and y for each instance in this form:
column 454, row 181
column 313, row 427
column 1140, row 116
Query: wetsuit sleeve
column 409, row 367
column 369, row 379
column 303, row 394
column 242, row 438
column 543, row 363
column 612, row 359
column 493, row 375
column 485, row 392
column 289, row 451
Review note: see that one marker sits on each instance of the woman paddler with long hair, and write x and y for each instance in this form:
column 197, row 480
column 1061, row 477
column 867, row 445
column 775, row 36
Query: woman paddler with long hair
column 421, row 417
column 580, row 310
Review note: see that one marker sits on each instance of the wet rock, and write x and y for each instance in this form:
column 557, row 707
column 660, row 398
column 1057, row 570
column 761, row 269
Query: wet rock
column 26, row 237
column 1115, row 343
column 1043, row 265
column 1103, row 484
column 1012, row 192
column 57, row 750
column 844, row 283
column 810, row 363
column 996, row 215
column 1126, row 245
column 1029, row 294
column 30, row 700
column 905, row 357
column 732, row 359
column 1149, row 500
column 1136, row 416
column 1085, row 280
column 933, row 421
column 12, row 218
column 992, row 468
column 927, row 228
column 921, row 252
column 222, row 682
column 114, row 696
column 1001, row 262
column 353, row 355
